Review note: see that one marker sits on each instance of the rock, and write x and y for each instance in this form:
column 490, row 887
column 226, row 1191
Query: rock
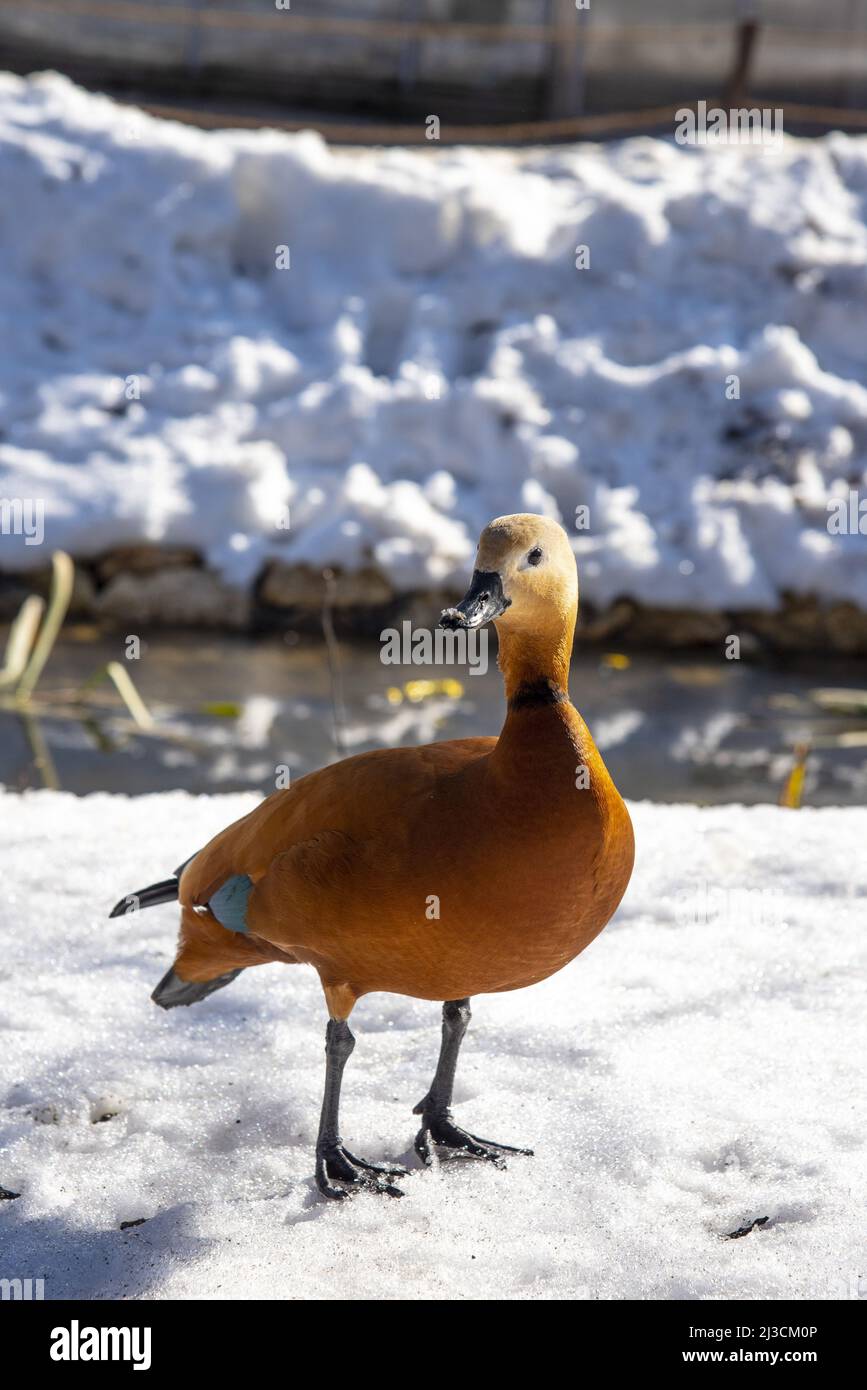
column 656, row 627
column 847, row 628
column 302, row 587
column 422, row 610
column 803, row 624
column 742, row 1231
column 142, row 559
column 15, row 588
column 173, row 598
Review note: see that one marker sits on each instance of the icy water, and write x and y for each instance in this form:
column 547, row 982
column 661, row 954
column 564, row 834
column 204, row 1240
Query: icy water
column 234, row 714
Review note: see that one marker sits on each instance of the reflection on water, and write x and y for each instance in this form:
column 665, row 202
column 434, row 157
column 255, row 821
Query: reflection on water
column 232, row 711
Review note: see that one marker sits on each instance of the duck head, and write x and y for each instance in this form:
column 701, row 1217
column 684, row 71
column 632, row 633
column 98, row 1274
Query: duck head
column 524, row 577
column 526, row 582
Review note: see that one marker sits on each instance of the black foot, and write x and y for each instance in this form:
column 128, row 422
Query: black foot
column 336, row 1161
column 442, row 1130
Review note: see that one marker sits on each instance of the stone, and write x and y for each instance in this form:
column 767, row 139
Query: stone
column 142, row 559
column 655, row 627
column 302, row 587
column 173, row 598
column 15, row 588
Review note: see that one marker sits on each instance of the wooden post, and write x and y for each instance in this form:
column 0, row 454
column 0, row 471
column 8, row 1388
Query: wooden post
column 565, row 95
column 409, row 52
column 737, row 83
column 193, row 41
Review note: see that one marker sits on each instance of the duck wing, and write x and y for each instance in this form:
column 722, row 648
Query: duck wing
column 318, row 826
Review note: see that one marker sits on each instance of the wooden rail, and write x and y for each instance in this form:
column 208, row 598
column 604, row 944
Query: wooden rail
column 292, row 22
column 289, row 21
column 369, row 133
column 501, row 133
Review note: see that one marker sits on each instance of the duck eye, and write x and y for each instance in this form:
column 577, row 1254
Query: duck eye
column 535, row 556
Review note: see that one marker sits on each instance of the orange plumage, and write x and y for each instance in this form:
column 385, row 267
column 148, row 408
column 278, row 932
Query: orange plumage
column 454, row 869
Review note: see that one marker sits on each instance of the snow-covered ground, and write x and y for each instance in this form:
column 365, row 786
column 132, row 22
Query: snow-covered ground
column 428, row 355
column 699, row 1068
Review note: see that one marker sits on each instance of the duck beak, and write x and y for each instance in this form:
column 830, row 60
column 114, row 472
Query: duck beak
column 483, row 601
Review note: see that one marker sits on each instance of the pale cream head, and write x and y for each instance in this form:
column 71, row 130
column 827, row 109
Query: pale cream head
column 526, row 582
column 536, row 565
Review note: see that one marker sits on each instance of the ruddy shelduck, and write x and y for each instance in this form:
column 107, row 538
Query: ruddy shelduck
column 522, row 841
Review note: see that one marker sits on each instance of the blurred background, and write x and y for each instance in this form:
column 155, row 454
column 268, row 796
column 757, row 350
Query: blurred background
column 261, row 388
column 477, row 61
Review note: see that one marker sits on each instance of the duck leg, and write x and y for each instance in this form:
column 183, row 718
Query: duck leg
column 333, row 1159
column 438, row 1126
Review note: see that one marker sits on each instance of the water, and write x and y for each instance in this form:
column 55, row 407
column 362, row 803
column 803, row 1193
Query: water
column 231, row 712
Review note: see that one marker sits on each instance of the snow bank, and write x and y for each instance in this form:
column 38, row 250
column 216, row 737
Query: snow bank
column 700, row 1067
column 431, row 357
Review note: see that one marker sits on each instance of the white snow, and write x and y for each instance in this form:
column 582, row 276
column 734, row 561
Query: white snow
column 698, row 1068
column 432, row 357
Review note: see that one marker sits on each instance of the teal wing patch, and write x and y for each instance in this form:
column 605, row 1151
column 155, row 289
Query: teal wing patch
column 229, row 903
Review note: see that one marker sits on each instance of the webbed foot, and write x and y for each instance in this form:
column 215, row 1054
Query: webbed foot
column 334, row 1161
column 440, row 1130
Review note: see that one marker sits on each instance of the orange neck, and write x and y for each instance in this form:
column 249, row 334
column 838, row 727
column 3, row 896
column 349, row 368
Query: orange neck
column 538, row 660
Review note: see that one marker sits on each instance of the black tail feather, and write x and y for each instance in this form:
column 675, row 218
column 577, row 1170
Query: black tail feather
column 172, row 990
column 180, row 869
column 165, row 892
